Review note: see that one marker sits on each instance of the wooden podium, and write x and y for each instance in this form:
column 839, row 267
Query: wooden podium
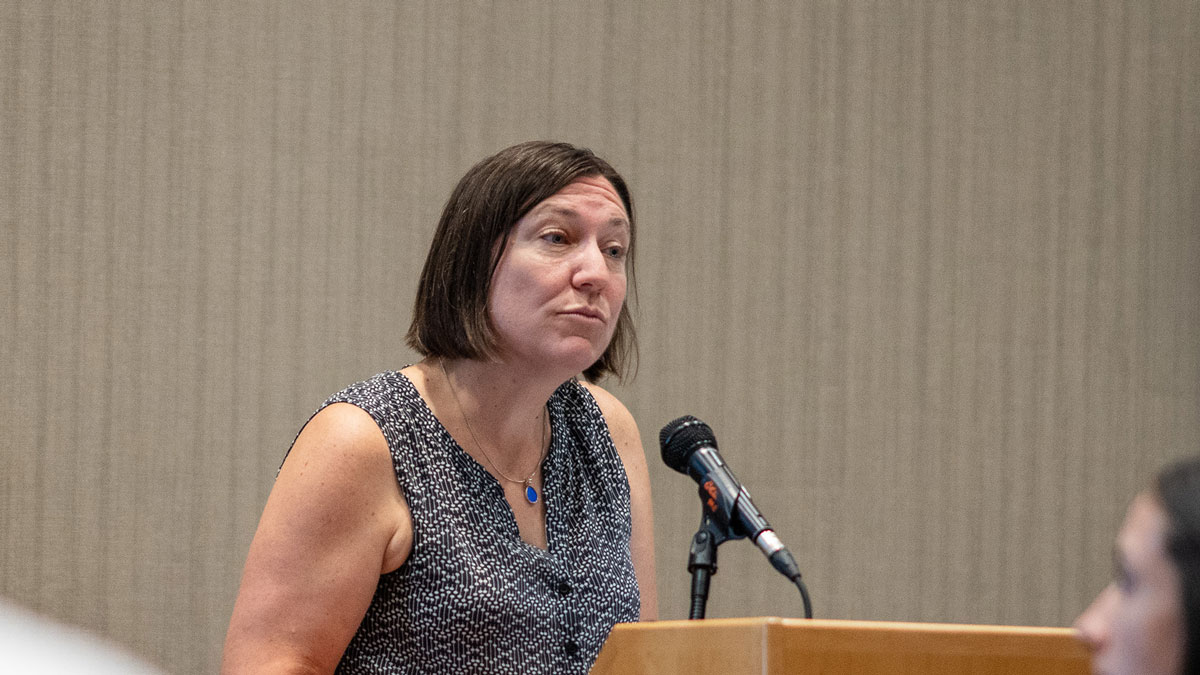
column 827, row 647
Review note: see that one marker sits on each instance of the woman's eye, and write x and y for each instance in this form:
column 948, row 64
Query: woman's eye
column 1123, row 579
column 616, row 252
column 555, row 237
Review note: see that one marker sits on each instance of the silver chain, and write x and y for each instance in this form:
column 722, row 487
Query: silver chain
column 462, row 413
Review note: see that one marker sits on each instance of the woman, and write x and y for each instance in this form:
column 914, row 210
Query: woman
column 1148, row 620
column 482, row 510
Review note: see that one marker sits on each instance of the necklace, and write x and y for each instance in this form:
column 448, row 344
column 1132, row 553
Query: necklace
column 531, row 493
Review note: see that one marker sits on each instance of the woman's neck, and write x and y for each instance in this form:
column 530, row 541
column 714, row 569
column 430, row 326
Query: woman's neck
column 499, row 407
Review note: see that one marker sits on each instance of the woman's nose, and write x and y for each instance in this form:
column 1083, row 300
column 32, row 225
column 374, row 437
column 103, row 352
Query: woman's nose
column 1095, row 623
column 591, row 268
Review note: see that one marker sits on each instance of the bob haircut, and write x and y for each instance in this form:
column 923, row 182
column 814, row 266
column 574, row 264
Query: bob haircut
column 1178, row 490
column 450, row 315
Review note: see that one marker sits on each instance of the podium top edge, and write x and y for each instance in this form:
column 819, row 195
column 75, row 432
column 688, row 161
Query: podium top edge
column 858, row 625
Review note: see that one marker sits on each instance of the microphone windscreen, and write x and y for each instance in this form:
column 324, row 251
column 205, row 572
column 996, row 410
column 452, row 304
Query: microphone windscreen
column 681, row 437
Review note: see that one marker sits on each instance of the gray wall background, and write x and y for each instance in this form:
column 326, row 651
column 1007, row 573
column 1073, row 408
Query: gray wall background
column 928, row 268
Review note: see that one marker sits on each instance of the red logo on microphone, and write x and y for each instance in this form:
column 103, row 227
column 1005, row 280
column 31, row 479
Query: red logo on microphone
column 711, row 502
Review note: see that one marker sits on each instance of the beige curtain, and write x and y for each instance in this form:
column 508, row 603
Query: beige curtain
column 928, row 269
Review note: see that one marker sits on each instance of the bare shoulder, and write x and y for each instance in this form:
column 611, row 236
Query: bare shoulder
column 341, row 464
column 341, row 446
column 334, row 521
column 339, row 468
column 340, row 431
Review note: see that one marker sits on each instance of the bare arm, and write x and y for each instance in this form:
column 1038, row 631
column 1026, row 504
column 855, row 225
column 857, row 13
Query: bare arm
column 335, row 521
column 624, row 432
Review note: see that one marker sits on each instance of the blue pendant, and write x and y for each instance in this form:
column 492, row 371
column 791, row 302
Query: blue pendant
column 531, row 494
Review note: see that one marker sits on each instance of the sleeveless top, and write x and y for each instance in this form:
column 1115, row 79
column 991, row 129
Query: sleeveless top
column 473, row 597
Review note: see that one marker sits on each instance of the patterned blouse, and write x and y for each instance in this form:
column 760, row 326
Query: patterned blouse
column 473, row 597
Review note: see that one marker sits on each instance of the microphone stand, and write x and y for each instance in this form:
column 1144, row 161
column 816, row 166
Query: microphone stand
column 702, row 562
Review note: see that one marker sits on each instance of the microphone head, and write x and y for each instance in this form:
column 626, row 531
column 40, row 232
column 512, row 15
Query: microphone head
column 681, row 437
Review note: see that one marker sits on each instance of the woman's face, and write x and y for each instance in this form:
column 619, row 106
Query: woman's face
column 560, row 285
column 1135, row 625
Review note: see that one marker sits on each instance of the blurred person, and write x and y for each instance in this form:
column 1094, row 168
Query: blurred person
column 486, row 509
column 1147, row 621
column 34, row 645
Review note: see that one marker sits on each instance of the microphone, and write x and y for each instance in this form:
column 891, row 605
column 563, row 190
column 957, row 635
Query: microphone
column 690, row 447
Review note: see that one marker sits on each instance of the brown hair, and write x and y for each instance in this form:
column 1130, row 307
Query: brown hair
column 450, row 316
column 1178, row 490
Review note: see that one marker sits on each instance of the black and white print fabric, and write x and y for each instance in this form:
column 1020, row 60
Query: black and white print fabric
column 473, row 597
